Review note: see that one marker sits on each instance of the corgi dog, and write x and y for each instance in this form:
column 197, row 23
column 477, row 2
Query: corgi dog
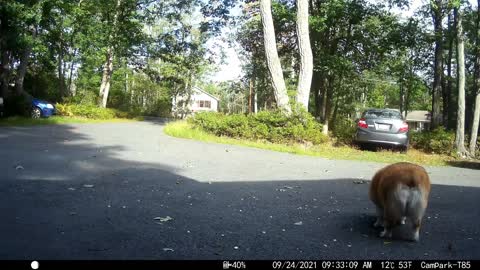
column 400, row 193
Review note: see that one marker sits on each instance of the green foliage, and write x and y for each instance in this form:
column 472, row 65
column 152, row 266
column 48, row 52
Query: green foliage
column 439, row 141
column 272, row 126
column 90, row 112
column 83, row 98
column 344, row 130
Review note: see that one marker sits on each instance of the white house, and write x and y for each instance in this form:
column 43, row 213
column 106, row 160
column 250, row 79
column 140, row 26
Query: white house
column 418, row 120
column 199, row 101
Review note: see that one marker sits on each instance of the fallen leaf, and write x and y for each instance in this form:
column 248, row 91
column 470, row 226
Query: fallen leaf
column 163, row 219
column 359, row 182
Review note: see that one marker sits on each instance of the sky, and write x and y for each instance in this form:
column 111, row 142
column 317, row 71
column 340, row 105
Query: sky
column 232, row 69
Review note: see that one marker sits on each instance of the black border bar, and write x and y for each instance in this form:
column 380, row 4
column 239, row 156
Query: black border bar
column 242, row 264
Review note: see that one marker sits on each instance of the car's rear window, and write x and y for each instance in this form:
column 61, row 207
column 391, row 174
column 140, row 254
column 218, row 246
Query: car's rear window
column 382, row 114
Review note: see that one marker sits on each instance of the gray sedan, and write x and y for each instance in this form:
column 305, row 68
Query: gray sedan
column 382, row 127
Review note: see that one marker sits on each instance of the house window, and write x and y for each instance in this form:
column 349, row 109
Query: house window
column 204, row 104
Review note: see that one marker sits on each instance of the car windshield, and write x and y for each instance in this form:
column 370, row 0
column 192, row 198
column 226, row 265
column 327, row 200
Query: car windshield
column 382, row 114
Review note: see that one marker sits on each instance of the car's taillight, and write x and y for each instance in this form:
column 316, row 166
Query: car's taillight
column 403, row 127
column 362, row 123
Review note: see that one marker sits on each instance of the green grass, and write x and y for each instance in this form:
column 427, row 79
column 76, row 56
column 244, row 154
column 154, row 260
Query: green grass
column 182, row 129
column 55, row 120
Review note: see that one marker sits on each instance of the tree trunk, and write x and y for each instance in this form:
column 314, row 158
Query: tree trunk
column 22, row 70
column 108, row 66
column 447, row 81
column 4, row 72
column 316, row 88
column 61, row 70
column 273, row 62
column 476, row 89
column 70, row 76
column 255, row 102
column 460, row 134
column 449, row 108
column 250, row 96
column 402, row 98
column 306, row 58
column 437, row 8
column 107, row 74
column 325, row 108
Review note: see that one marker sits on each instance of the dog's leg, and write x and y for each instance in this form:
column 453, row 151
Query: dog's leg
column 379, row 221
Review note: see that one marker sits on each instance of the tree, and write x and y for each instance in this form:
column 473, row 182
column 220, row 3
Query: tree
column 273, row 62
column 108, row 66
column 476, row 88
column 437, row 7
column 460, row 133
column 305, row 51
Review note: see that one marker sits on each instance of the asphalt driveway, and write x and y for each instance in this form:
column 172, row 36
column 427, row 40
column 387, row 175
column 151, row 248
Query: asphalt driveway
column 127, row 191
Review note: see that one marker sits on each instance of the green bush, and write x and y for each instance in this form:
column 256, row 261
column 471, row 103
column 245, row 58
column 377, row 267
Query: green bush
column 439, row 141
column 90, row 111
column 272, row 126
column 344, row 130
column 83, row 98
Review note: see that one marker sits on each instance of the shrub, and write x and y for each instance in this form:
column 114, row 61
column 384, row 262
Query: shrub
column 64, row 109
column 344, row 130
column 83, row 98
column 90, row 111
column 438, row 141
column 272, row 126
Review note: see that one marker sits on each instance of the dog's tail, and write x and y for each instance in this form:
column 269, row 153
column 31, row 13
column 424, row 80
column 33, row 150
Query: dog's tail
column 410, row 202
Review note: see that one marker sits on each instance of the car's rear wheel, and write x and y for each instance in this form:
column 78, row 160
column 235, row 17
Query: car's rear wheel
column 36, row 113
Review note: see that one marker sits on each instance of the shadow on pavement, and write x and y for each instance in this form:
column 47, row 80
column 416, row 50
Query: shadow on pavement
column 469, row 164
column 72, row 199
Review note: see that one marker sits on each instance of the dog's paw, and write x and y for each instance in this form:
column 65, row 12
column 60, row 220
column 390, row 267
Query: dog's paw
column 378, row 223
column 386, row 234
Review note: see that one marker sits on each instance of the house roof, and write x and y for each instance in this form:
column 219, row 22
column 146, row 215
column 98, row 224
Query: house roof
column 196, row 88
column 418, row 116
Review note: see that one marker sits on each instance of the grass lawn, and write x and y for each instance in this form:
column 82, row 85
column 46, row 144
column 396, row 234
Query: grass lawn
column 53, row 120
column 182, row 129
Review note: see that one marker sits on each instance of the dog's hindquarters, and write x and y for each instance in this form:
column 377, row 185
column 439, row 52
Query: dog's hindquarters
column 404, row 203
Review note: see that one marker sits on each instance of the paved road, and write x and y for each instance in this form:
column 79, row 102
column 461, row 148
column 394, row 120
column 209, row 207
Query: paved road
column 93, row 191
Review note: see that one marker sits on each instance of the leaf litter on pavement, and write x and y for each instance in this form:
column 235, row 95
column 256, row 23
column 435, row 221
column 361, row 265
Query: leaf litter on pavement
column 162, row 219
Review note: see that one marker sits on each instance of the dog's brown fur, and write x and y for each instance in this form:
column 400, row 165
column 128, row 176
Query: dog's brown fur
column 400, row 191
